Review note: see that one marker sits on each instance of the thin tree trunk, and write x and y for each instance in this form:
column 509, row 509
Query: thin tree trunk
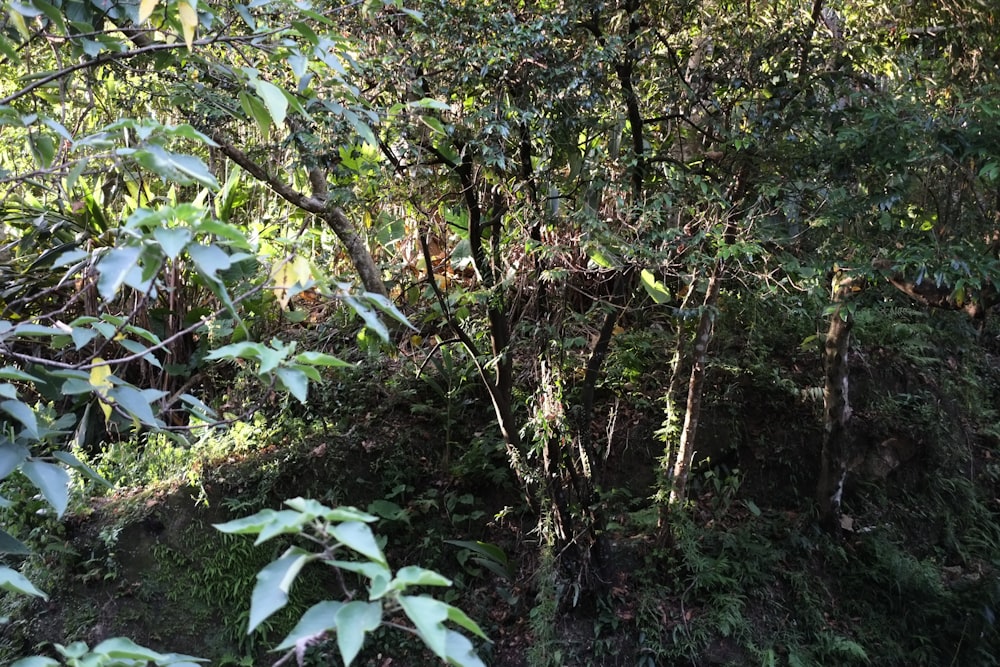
column 703, row 336
column 836, row 407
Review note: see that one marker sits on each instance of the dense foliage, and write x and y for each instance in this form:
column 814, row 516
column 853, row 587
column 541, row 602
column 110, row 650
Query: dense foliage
column 706, row 216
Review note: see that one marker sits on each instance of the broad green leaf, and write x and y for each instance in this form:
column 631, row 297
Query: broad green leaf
column 254, row 108
column 273, row 584
column 172, row 240
column 654, row 287
column 11, row 373
column 176, row 167
column 428, row 615
column 309, row 507
column 22, row 413
column 366, row 569
column 73, row 462
column 460, row 650
column 459, row 617
column 51, row 480
column 274, row 100
column 43, row 149
column 295, row 381
column 198, row 407
column 36, row 661
column 122, row 648
column 14, row 581
column 411, row 575
column 11, row 545
column 282, row 522
column 354, row 619
column 8, row 390
column 321, row 359
column 252, row 524
column 135, row 347
column 358, row 536
column 11, row 456
column 81, row 337
column 211, row 259
column 135, row 403
column 114, row 268
column 243, row 350
column 319, row 618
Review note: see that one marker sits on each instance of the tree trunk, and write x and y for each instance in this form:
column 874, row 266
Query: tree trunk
column 703, row 336
column 836, row 407
column 334, row 216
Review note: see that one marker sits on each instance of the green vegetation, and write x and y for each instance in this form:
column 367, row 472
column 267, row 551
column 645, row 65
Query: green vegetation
column 649, row 332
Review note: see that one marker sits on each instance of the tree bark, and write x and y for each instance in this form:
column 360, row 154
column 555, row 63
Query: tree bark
column 836, row 407
column 333, row 216
column 703, row 337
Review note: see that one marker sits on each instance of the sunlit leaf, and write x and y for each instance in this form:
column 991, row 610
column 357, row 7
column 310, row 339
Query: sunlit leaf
column 187, row 14
column 146, row 9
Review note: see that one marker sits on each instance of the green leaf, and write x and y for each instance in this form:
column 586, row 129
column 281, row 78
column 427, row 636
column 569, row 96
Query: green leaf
column 135, row 403
column 247, row 525
column 255, row 109
column 11, row 545
column 14, row 581
column 295, row 381
column 22, row 413
column 654, row 287
column 8, row 390
column 114, row 267
column 172, row 240
column 274, row 100
column 459, row 617
column 319, row 618
column 122, row 648
column 73, row 462
column 321, row 359
column 411, row 575
column 273, row 584
column 366, row 569
column 11, row 456
column 282, row 522
column 358, row 536
column 176, row 167
column 36, row 661
column 51, row 480
column 135, row 347
column 11, row 373
column 460, row 650
column 428, row 615
column 353, row 620
column 211, row 259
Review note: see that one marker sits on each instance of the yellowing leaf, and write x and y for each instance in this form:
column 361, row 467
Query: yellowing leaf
column 100, row 380
column 146, row 8
column 188, row 16
column 291, row 278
